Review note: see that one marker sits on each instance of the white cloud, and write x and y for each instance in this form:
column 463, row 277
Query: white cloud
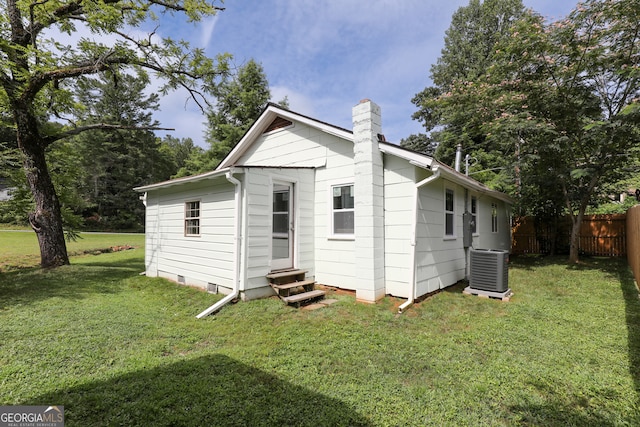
column 326, row 55
column 206, row 30
column 298, row 102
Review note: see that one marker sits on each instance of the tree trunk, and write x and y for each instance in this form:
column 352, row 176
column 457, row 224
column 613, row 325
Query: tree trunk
column 46, row 220
column 576, row 222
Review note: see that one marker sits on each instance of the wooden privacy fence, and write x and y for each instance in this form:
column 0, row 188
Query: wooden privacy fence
column 633, row 240
column 600, row 235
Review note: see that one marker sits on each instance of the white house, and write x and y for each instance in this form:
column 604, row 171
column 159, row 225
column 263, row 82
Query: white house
column 346, row 207
column 5, row 191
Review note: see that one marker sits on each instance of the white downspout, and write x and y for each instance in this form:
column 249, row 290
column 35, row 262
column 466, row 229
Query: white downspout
column 236, row 250
column 414, row 238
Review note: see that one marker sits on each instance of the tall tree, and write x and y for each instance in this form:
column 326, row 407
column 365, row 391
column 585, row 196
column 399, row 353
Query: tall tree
column 239, row 102
column 176, row 152
column 566, row 98
column 35, row 72
column 240, row 99
column 422, row 143
column 469, row 46
column 117, row 160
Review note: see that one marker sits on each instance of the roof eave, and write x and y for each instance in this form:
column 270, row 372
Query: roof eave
column 269, row 114
column 180, row 181
column 470, row 183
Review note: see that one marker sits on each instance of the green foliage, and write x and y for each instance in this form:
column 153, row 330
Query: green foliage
column 575, row 79
column 66, row 172
column 175, row 153
column 116, row 161
column 557, row 105
column 468, row 52
column 239, row 102
column 240, row 99
column 421, row 143
column 37, row 74
column 613, row 207
column 119, row 348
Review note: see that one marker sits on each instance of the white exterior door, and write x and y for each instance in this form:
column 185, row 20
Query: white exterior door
column 282, row 229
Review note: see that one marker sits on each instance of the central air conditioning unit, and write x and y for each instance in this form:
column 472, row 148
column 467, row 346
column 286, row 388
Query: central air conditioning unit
column 489, row 270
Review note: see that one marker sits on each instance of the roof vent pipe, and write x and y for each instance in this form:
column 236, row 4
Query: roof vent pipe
column 458, row 157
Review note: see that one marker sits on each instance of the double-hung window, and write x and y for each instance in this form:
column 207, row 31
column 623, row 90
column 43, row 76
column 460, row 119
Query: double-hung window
column 192, row 218
column 449, row 213
column 474, row 215
column 342, row 210
column 494, row 218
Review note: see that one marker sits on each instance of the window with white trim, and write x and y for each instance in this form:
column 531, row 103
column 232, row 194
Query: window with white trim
column 449, row 213
column 474, row 215
column 192, row 218
column 494, row 218
column 342, row 209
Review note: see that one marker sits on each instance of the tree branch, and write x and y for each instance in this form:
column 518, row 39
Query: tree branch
column 177, row 7
column 99, row 126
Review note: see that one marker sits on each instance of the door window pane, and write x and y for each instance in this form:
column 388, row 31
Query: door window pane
column 343, row 209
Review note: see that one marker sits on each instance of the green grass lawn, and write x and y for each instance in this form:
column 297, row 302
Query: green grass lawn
column 117, row 348
column 19, row 248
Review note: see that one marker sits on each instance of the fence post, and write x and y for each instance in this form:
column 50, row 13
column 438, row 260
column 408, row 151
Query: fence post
column 633, row 240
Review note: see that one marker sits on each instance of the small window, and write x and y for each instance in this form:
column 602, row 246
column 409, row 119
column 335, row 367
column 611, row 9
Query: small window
column 192, row 218
column 449, row 213
column 474, row 215
column 494, row 218
column 342, row 213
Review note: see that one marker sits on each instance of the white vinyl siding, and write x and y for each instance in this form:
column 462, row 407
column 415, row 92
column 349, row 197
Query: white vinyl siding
column 258, row 243
column 335, row 258
column 208, row 259
column 399, row 191
column 440, row 262
column 299, row 145
column 331, row 260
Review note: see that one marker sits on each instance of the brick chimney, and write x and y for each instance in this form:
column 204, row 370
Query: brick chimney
column 369, row 202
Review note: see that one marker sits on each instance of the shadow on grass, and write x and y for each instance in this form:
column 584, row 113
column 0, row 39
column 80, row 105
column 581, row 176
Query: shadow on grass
column 619, row 269
column 77, row 281
column 531, row 261
column 560, row 411
column 209, row 390
column 632, row 314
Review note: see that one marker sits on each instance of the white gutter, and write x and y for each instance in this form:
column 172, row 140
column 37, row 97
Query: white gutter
column 414, row 238
column 236, row 250
column 183, row 180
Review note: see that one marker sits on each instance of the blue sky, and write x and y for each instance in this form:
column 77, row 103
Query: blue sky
column 327, row 55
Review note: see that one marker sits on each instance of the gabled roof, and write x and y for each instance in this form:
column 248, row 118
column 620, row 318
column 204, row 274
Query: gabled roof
column 274, row 111
column 271, row 113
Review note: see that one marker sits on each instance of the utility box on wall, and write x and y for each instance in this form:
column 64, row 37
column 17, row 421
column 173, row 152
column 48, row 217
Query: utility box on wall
column 489, row 270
